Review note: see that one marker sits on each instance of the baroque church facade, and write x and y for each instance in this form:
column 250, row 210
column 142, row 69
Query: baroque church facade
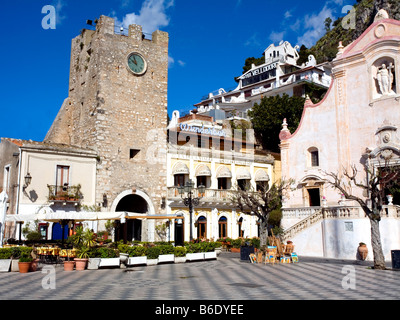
column 356, row 124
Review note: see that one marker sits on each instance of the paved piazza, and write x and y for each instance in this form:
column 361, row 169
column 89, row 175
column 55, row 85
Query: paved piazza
column 224, row 279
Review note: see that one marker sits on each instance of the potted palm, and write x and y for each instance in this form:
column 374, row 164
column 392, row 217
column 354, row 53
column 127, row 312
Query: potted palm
column 83, row 240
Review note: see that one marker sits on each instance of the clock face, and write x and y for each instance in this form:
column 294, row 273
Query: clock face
column 137, row 64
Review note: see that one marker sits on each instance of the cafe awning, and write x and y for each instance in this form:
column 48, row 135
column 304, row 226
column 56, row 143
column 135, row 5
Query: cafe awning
column 203, row 171
column 261, row 176
column 180, row 168
column 86, row 216
column 224, row 172
column 243, row 174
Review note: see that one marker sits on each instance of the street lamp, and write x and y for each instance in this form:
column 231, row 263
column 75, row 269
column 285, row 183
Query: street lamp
column 190, row 201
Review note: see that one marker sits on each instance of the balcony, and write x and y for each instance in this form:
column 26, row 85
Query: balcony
column 65, row 194
column 210, row 197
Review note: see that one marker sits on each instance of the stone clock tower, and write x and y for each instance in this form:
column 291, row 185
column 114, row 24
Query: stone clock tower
column 117, row 105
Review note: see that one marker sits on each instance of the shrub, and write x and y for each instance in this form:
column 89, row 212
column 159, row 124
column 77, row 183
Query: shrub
column 5, row 253
column 166, row 249
column 107, row 253
column 153, row 252
column 180, row 251
column 17, row 252
column 137, row 251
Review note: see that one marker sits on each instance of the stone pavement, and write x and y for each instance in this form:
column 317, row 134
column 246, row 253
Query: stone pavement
column 219, row 280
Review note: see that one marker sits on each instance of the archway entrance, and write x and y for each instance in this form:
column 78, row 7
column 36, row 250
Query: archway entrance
column 132, row 229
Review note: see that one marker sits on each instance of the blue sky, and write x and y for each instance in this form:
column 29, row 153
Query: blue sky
column 209, row 42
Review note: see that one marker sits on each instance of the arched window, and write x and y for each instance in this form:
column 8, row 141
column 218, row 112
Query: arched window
column 202, row 228
column 222, row 227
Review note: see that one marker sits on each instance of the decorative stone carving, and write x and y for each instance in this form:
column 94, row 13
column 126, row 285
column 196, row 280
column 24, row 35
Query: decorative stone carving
column 383, row 73
column 385, row 78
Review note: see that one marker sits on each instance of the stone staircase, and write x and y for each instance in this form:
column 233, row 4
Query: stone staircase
column 317, row 214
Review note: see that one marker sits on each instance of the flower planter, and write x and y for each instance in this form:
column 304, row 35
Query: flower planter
column 69, row 265
column 109, row 262
column 180, row 259
column 80, row 264
column 235, row 250
column 195, row 256
column 14, row 265
column 152, row 262
column 166, row 258
column 5, row 265
column 210, row 255
column 136, row 261
column 24, row 267
column 93, row 263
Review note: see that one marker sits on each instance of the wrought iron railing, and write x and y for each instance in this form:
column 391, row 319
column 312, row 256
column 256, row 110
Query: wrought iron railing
column 65, row 193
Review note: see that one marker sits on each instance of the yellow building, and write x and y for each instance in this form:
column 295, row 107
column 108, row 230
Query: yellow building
column 209, row 154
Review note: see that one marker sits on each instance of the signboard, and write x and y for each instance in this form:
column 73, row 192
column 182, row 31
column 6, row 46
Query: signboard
column 202, row 130
column 259, row 71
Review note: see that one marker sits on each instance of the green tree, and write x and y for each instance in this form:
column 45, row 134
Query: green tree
column 327, row 23
column 267, row 118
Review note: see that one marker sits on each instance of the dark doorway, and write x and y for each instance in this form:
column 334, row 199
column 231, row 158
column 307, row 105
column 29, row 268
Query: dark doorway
column 132, row 229
column 179, row 233
column 314, row 197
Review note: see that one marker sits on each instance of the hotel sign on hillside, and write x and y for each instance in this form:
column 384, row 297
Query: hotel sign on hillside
column 259, row 71
column 202, row 130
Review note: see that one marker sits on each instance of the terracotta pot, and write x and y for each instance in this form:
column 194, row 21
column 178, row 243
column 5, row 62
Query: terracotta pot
column 24, row 267
column 80, row 264
column 69, row 265
column 34, row 265
column 363, row 252
column 235, row 250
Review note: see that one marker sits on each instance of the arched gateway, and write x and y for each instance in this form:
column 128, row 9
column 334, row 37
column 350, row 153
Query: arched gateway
column 133, row 201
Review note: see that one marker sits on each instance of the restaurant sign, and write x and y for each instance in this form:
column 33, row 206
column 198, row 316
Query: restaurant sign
column 202, row 130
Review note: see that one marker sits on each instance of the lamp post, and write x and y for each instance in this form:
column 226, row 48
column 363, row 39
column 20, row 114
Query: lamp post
column 191, row 201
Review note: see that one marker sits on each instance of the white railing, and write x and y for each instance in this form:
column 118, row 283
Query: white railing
column 312, row 215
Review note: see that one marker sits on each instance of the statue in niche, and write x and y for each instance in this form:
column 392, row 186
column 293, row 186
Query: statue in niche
column 385, row 78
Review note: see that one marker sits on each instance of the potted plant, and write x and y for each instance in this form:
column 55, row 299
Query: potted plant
column 137, row 255
column 16, row 253
column 152, row 255
column 5, row 259
column 83, row 240
column 166, row 254
column 24, row 263
column 194, row 252
column 236, row 244
column 109, row 257
column 180, row 254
